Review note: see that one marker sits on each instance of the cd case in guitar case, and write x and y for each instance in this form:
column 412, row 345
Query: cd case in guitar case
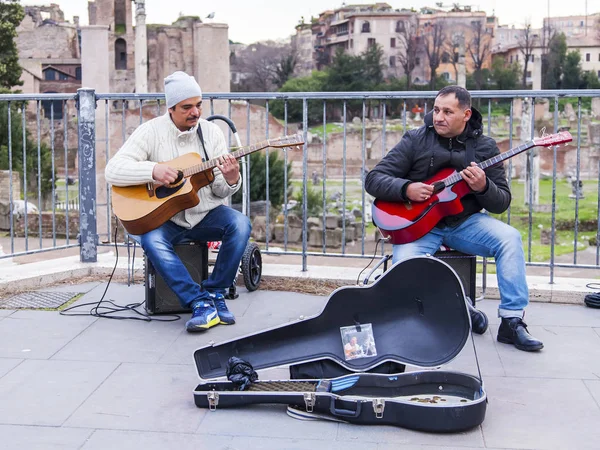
column 414, row 314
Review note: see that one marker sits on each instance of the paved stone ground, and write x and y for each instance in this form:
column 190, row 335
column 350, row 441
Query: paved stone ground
column 89, row 383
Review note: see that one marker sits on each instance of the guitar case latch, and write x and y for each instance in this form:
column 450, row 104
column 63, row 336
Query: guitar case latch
column 309, row 401
column 378, row 407
column 213, row 400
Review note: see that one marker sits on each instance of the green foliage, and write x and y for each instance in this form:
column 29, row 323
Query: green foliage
column 16, row 151
column 314, row 201
column 590, row 80
column 258, row 178
column 553, row 63
column 505, row 78
column 572, row 74
column 11, row 15
column 313, row 83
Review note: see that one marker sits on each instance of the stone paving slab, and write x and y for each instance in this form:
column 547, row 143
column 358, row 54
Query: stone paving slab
column 8, row 364
column 95, row 383
column 38, row 334
column 540, row 413
column 143, row 397
column 40, row 392
column 17, row 437
column 6, row 312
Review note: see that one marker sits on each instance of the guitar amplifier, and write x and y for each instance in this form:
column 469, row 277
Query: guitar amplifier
column 465, row 267
column 160, row 299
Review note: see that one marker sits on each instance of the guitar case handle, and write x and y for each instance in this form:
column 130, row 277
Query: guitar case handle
column 344, row 412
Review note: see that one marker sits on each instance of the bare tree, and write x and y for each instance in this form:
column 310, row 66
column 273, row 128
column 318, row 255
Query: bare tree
column 407, row 45
column 479, row 49
column 434, row 38
column 526, row 43
column 263, row 66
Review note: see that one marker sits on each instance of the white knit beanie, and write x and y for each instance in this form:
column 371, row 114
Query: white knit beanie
column 180, row 86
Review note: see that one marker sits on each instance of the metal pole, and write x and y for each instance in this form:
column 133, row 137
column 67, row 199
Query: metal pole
column 88, row 237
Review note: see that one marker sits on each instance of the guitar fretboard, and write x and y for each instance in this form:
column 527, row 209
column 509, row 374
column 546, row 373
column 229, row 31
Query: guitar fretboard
column 455, row 177
column 240, row 153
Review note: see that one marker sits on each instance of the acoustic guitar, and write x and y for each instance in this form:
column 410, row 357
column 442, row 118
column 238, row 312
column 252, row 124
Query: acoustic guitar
column 144, row 207
column 404, row 222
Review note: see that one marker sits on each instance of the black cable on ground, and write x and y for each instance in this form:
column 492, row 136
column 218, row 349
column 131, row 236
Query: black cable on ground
column 592, row 300
column 370, row 262
column 99, row 310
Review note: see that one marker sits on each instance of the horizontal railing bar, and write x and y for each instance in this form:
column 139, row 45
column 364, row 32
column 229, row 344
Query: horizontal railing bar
column 26, row 97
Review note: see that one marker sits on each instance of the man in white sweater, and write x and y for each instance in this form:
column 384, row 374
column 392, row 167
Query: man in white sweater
column 178, row 132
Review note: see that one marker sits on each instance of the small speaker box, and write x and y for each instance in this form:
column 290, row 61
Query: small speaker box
column 466, row 268
column 160, row 299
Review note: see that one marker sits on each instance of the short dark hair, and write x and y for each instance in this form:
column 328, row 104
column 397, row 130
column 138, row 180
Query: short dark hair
column 463, row 96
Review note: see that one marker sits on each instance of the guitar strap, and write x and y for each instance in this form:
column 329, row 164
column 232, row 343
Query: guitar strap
column 470, row 151
column 199, row 131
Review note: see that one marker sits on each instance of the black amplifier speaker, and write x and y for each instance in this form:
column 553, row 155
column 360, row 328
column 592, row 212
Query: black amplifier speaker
column 466, row 268
column 160, row 299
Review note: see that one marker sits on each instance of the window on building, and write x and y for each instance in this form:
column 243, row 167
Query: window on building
column 400, row 26
column 50, row 75
column 392, row 42
column 417, row 61
column 446, row 76
column 366, row 27
column 531, row 58
column 52, row 107
column 78, row 73
column 392, row 61
column 351, row 43
column 511, row 59
column 342, row 29
column 588, row 57
column 445, row 57
column 528, row 74
column 516, row 57
column 371, row 42
column 120, row 54
column 599, row 74
column 63, row 76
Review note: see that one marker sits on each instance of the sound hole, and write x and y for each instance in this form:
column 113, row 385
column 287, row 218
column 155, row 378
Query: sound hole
column 166, row 191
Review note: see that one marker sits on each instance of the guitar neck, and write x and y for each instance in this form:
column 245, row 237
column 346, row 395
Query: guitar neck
column 212, row 163
column 455, row 178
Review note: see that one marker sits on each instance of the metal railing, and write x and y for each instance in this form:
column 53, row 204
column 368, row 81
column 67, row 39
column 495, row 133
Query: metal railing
column 341, row 147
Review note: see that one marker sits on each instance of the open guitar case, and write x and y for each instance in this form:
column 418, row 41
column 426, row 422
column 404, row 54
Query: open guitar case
column 415, row 314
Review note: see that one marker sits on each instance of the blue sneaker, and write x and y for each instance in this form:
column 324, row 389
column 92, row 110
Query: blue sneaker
column 226, row 317
column 204, row 316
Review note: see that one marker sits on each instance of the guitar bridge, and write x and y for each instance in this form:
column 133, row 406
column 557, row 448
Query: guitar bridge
column 150, row 189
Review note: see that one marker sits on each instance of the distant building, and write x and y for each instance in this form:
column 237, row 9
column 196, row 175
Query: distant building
column 355, row 28
column 509, row 42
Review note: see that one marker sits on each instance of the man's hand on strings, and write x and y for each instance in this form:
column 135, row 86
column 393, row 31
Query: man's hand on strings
column 475, row 177
column 230, row 168
column 419, row 192
column 164, row 174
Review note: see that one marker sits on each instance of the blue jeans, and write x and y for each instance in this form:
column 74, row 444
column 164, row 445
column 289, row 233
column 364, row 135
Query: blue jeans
column 220, row 224
column 482, row 235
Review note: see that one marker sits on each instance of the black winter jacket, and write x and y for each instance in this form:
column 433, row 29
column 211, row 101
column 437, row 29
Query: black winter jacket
column 422, row 153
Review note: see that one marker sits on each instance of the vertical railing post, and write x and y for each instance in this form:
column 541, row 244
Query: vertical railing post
column 86, row 130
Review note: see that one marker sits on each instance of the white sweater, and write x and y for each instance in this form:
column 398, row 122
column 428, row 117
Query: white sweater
column 159, row 140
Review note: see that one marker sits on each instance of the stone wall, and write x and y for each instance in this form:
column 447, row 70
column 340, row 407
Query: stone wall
column 51, row 40
column 47, row 225
column 5, row 185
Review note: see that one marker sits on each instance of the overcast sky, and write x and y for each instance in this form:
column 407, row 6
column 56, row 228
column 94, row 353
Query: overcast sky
column 276, row 19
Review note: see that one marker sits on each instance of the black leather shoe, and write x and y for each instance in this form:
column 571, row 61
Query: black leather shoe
column 514, row 331
column 479, row 321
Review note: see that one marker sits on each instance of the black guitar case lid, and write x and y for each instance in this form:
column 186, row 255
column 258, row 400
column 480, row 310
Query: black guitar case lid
column 416, row 313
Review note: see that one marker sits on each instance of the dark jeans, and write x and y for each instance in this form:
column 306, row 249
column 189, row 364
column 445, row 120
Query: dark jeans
column 220, row 224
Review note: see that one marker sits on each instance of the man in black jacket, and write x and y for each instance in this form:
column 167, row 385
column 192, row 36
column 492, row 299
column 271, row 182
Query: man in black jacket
column 452, row 137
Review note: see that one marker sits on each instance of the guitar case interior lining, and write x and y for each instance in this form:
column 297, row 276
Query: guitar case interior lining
column 414, row 314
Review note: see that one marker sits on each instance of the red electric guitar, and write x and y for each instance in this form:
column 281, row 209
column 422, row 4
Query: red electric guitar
column 404, row 222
